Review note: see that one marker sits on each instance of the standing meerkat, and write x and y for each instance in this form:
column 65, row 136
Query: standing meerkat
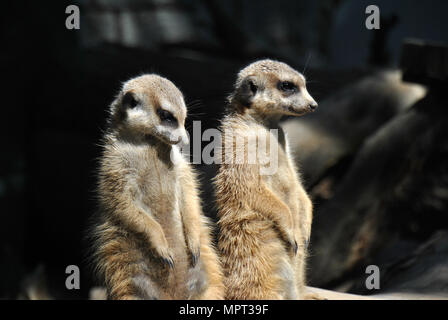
column 264, row 219
column 152, row 240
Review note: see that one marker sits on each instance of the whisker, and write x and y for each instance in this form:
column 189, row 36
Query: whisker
column 306, row 63
column 194, row 104
column 313, row 81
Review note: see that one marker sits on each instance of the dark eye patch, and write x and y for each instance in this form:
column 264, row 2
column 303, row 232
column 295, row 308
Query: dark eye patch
column 166, row 117
column 287, row 86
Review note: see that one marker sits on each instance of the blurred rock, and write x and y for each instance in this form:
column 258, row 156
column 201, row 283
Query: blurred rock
column 397, row 186
column 422, row 271
column 339, row 126
column 34, row 286
column 425, row 62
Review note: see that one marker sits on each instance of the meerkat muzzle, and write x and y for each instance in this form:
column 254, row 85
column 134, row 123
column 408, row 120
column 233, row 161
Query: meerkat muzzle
column 180, row 136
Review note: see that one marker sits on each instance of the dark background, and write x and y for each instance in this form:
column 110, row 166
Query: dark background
column 58, row 83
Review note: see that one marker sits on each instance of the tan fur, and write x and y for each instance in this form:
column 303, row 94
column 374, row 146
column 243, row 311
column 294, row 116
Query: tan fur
column 263, row 219
column 151, row 240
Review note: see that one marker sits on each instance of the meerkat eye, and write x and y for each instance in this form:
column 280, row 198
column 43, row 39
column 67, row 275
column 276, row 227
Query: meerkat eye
column 166, row 117
column 129, row 100
column 287, row 86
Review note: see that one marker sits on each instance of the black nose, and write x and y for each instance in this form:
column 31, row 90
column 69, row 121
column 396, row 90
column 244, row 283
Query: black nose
column 313, row 106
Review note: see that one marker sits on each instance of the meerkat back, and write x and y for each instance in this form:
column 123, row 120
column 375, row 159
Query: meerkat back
column 151, row 240
column 264, row 212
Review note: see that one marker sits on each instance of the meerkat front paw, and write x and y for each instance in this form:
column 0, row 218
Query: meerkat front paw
column 195, row 255
column 194, row 248
column 291, row 243
column 166, row 256
column 293, row 247
column 289, row 235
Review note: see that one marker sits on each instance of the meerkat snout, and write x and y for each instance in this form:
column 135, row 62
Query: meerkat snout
column 151, row 106
column 170, row 129
column 312, row 104
column 272, row 88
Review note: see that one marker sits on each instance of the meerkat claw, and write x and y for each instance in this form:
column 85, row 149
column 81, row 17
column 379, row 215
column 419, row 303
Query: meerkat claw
column 195, row 257
column 169, row 261
column 295, row 247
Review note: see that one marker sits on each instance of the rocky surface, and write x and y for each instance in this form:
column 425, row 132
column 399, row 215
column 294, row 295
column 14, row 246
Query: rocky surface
column 392, row 197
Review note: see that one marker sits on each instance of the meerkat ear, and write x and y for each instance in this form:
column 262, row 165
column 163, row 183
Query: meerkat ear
column 246, row 91
column 122, row 104
column 129, row 101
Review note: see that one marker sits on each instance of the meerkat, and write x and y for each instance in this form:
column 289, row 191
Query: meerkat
column 264, row 219
column 151, row 240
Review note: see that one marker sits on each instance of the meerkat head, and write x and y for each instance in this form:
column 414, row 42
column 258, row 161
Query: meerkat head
column 150, row 105
column 271, row 88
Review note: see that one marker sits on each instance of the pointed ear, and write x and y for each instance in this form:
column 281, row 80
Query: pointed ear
column 245, row 92
column 129, row 100
column 121, row 104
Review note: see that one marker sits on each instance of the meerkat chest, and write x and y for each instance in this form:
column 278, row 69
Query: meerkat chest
column 162, row 190
column 284, row 178
column 163, row 198
column 156, row 182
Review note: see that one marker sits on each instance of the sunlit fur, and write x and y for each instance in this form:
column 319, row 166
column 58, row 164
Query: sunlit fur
column 262, row 217
column 150, row 229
